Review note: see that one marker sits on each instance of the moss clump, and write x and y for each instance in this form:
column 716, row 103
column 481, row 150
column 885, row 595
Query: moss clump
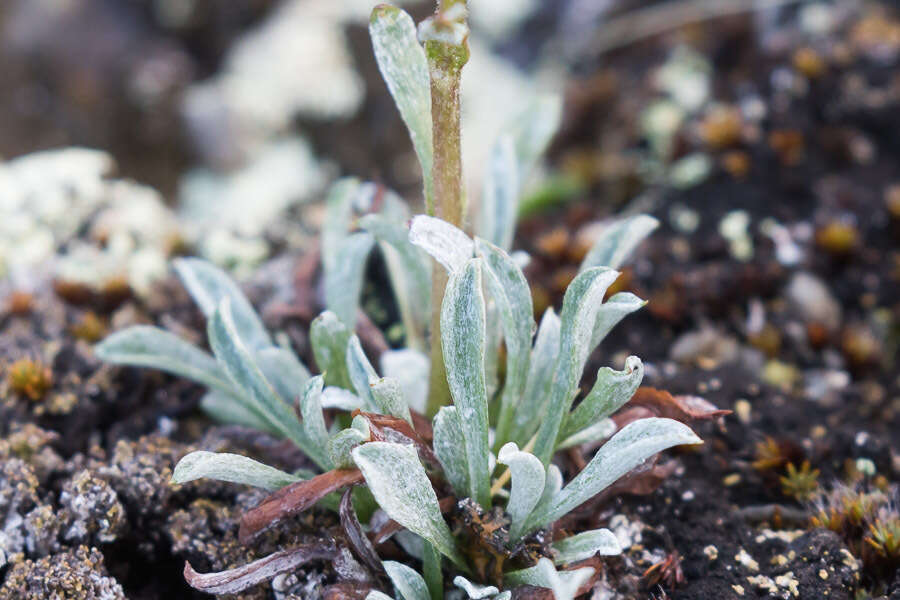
column 30, row 378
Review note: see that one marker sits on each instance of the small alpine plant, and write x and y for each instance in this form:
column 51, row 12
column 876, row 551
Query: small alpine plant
column 468, row 446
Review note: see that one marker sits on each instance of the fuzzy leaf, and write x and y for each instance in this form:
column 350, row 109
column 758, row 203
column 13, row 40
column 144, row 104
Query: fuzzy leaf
column 344, row 441
column 626, row 450
column 226, row 408
column 564, row 585
column 618, row 240
column 284, row 371
column 540, row 376
column 410, row 275
column 447, row 244
column 500, row 196
column 431, row 571
column 407, row 582
column 614, row 310
column 343, row 283
column 401, row 60
column 362, row 374
column 581, row 304
column 552, row 485
column 510, row 291
column 388, row 397
column 410, row 369
column 230, row 467
column 376, row 595
column 246, row 376
column 534, row 128
column 329, row 337
column 612, row 389
column 338, row 215
column 314, row 420
column 585, row 545
column 473, row 590
column 463, row 340
column 600, row 430
column 145, row 346
column 398, row 481
column 528, row 478
column 450, row 449
column 208, row 286
column 341, row 399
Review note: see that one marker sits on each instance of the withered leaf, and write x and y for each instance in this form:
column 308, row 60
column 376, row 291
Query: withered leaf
column 355, row 534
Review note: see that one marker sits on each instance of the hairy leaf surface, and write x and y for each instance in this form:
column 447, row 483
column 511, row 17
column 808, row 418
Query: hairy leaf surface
column 235, row 468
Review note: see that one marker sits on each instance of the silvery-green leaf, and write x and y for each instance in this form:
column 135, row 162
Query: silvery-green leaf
column 244, row 373
column 631, row 446
column 616, row 308
column 146, row 346
column 388, row 397
column 500, row 196
column 618, row 240
column 409, row 272
column 540, row 375
column 447, row 244
column 398, row 481
column 473, row 590
column 462, row 340
column 341, row 444
column 408, row 584
column 341, row 399
column 612, row 389
column 410, row 369
column 338, row 215
column 507, row 284
column 284, row 371
column 493, row 340
column 552, row 485
column 564, row 585
column 412, row 544
column 595, row 432
column 313, row 419
column 208, row 286
column 528, row 478
column 431, row 571
column 329, row 337
column 507, row 595
column 581, row 304
column 376, row 595
column 343, row 283
column 401, row 60
column 226, row 408
column 362, row 375
column 585, row 545
column 230, row 467
column 450, row 449
column 534, row 128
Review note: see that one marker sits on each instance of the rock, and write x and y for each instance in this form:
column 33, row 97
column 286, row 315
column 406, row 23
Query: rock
column 813, row 301
column 72, row 575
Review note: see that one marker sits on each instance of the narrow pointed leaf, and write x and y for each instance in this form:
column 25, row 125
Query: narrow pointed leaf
column 447, row 244
column 329, row 337
column 146, row 346
column 564, row 585
column 226, row 408
column 473, row 590
column 630, row 447
column 284, row 371
column 388, row 397
column 407, row 582
column 398, row 481
column 247, row 377
column 540, row 376
column 596, row 432
column 314, row 420
column 612, row 389
column 208, row 286
column 463, row 340
column 510, row 291
column 230, row 467
column 343, row 283
column 361, row 372
column 579, row 314
column 618, row 240
column 614, row 310
column 528, row 478
column 401, row 60
column 338, row 215
column 533, row 130
column 450, row 449
column 409, row 272
column 585, row 545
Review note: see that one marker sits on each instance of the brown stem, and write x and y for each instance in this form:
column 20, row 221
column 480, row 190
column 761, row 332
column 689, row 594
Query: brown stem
column 445, row 63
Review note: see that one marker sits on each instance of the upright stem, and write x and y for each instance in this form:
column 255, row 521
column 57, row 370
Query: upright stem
column 446, row 46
